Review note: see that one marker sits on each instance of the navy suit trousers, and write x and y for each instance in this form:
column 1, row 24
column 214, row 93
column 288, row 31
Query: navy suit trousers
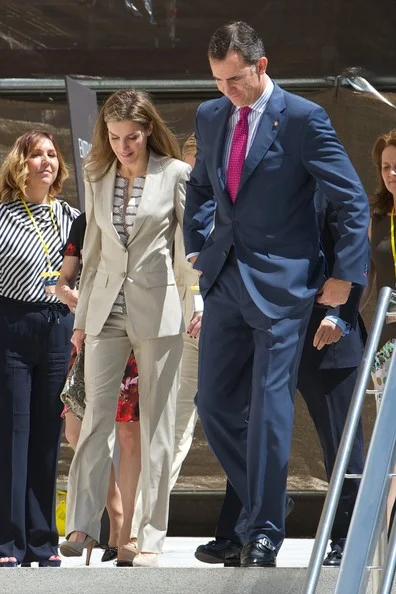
column 252, row 446
column 328, row 394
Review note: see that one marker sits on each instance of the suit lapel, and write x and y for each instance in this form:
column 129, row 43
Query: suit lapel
column 106, row 198
column 221, row 117
column 266, row 133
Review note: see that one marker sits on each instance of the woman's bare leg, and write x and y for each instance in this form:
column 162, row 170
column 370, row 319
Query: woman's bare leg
column 72, row 429
column 114, row 509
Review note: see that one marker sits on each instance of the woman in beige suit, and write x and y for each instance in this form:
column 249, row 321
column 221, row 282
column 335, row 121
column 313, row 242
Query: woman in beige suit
column 134, row 194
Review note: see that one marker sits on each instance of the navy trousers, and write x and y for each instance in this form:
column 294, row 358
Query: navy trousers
column 34, row 355
column 328, row 394
column 253, row 451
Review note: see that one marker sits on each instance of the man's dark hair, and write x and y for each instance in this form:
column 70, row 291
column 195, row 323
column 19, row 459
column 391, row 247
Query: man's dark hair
column 236, row 37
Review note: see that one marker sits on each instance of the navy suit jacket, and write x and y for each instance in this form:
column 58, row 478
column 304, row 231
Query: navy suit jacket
column 272, row 224
column 347, row 352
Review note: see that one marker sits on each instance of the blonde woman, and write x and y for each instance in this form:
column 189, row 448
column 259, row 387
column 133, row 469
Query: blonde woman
column 35, row 331
column 128, row 299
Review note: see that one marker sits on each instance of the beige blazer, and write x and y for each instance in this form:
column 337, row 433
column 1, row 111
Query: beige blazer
column 185, row 276
column 144, row 266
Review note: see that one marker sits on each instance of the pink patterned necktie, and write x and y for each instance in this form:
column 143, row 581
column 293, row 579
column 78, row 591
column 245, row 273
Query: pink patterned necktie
column 238, row 152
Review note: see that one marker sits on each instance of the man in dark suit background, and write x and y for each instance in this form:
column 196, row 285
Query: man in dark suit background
column 327, row 375
column 261, row 153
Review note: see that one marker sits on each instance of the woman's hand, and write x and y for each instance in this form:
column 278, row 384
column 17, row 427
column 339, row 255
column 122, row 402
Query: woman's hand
column 71, row 298
column 78, row 338
column 194, row 327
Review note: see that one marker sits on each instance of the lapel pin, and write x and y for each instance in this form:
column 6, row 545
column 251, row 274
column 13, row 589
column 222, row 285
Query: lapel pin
column 275, row 123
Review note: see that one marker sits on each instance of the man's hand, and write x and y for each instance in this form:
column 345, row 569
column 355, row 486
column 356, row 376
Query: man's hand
column 194, row 327
column 334, row 292
column 192, row 261
column 327, row 333
column 78, row 338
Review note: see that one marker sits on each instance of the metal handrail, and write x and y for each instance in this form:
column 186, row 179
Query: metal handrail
column 109, row 85
column 388, row 571
column 346, row 444
column 366, row 527
column 199, row 87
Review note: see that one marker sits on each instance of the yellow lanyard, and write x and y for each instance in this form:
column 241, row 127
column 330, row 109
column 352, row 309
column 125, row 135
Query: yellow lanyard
column 40, row 235
column 393, row 237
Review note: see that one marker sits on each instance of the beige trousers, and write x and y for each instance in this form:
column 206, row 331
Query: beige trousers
column 159, row 362
column 186, row 411
column 186, row 419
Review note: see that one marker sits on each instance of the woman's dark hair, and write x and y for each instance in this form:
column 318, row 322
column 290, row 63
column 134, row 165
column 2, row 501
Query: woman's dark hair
column 382, row 200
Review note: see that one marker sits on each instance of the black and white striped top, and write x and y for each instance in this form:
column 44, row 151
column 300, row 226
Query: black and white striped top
column 22, row 258
column 124, row 213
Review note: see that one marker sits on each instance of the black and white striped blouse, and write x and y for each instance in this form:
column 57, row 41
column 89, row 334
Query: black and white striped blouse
column 22, row 257
column 124, row 212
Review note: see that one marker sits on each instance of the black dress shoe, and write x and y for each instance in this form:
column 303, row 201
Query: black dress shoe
column 233, row 558
column 258, row 553
column 109, row 554
column 215, row 551
column 334, row 558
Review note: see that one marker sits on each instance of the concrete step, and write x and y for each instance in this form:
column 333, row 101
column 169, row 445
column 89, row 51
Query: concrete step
column 160, row 580
column 165, row 581
column 178, row 573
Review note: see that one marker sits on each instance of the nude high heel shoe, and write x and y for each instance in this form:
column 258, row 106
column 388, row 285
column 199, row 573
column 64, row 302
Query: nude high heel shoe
column 72, row 548
column 146, row 560
column 126, row 554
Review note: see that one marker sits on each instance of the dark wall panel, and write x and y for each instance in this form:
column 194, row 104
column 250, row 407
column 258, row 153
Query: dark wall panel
column 169, row 38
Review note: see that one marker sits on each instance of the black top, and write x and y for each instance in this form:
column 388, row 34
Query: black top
column 75, row 240
column 347, row 352
column 381, row 253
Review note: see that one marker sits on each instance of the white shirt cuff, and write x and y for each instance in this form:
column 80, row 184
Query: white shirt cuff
column 192, row 255
column 198, row 303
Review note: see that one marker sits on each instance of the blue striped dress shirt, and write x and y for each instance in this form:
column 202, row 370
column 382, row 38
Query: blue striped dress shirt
column 254, row 117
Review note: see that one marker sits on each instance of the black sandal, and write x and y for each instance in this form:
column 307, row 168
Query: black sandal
column 109, row 554
column 56, row 562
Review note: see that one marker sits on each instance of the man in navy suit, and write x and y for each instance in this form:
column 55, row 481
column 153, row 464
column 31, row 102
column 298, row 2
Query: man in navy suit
column 327, row 375
column 262, row 267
